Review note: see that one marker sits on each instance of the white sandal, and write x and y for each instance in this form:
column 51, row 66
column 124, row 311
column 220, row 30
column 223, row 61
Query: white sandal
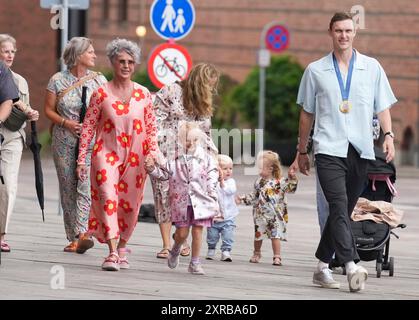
column 111, row 263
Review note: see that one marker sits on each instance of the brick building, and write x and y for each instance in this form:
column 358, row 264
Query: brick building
column 36, row 59
column 227, row 34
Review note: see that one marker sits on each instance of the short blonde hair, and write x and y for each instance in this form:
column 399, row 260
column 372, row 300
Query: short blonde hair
column 190, row 128
column 224, row 159
column 4, row 37
column 74, row 49
column 273, row 160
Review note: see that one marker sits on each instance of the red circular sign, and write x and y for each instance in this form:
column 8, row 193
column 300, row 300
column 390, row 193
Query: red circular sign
column 168, row 62
column 277, row 38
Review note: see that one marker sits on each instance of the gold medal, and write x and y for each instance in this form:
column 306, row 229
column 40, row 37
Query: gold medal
column 345, row 106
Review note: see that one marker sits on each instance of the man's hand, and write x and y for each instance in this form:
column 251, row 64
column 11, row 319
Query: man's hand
column 388, row 148
column 304, row 164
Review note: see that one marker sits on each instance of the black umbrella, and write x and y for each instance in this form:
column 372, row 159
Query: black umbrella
column 35, row 147
column 1, row 142
column 82, row 113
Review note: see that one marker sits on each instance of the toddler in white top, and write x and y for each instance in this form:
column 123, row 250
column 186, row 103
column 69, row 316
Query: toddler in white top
column 224, row 223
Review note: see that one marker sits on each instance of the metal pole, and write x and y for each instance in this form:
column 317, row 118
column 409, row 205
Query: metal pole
column 261, row 118
column 262, row 85
column 64, row 29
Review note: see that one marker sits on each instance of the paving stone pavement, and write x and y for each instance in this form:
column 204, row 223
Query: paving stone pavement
column 30, row 271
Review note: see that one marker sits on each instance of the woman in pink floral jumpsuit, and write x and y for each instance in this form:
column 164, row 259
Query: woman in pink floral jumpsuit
column 121, row 115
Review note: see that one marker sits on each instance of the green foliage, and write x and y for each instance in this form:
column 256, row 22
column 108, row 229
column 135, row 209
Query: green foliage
column 226, row 110
column 142, row 78
column 44, row 138
column 281, row 112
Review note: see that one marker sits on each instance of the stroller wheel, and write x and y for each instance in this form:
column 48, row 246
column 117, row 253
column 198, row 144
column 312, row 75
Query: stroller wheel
column 391, row 266
column 378, row 267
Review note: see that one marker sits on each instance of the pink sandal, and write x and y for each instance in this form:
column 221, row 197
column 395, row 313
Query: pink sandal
column 123, row 261
column 5, row 247
column 111, row 263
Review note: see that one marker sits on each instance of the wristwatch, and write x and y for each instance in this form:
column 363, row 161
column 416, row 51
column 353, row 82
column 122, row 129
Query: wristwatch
column 389, row 133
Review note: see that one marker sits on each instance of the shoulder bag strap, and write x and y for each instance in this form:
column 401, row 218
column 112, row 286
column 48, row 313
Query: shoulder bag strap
column 77, row 84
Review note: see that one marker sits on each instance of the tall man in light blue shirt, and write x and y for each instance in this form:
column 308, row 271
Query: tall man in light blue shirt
column 342, row 92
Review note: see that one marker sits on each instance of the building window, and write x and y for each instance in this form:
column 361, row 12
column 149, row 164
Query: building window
column 105, row 10
column 123, row 10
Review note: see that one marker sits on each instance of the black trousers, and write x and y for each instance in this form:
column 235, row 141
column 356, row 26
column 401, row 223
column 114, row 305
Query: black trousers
column 342, row 181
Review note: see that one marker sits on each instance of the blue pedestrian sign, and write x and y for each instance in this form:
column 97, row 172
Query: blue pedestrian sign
column 172, row 19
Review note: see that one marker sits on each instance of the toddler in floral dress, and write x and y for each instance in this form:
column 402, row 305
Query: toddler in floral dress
column 270, row 213
column 193, row 177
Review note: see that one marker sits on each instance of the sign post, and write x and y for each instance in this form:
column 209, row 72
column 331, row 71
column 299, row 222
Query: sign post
column 63, row 6
column 275, row 38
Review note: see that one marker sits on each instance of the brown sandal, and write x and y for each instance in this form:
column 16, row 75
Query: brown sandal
column 163, row 254
column 71, row 247
column 186, row 250
column 85, row 243
column 256, row 257
column 277, row 261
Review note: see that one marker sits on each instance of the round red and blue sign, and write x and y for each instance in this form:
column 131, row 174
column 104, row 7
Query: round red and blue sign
column 277, row 38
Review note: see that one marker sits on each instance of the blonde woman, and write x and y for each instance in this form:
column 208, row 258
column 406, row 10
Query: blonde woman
column 13, row 140
column 270, row 213
column 63, row 103
column 188, row 100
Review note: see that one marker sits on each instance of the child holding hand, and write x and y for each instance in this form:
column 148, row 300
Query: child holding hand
column 193, row 177
column 270, row 213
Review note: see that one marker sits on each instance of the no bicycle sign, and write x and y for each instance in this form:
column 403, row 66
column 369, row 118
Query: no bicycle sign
column 168, row 63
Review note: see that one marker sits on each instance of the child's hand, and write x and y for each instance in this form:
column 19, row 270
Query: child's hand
column 149, row 163
column 292, row 175
column 220, row 174
column 237, row 199
column 293, row 167
column 218, row 218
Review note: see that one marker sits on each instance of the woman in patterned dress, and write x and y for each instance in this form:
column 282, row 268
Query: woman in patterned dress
column 188, row 100
column 122, row 117
column 270, row 213
column 62, row 106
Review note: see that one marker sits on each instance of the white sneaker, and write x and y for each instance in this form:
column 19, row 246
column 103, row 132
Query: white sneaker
column 196, row 268
column 225, row 256
column 324, row 278
column 210, row 254
column 357, row 278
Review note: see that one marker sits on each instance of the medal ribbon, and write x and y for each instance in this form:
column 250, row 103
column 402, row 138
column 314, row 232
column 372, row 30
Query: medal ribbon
column 344, row 91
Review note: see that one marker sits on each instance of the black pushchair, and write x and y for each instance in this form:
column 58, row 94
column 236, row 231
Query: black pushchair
column 373, row 239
